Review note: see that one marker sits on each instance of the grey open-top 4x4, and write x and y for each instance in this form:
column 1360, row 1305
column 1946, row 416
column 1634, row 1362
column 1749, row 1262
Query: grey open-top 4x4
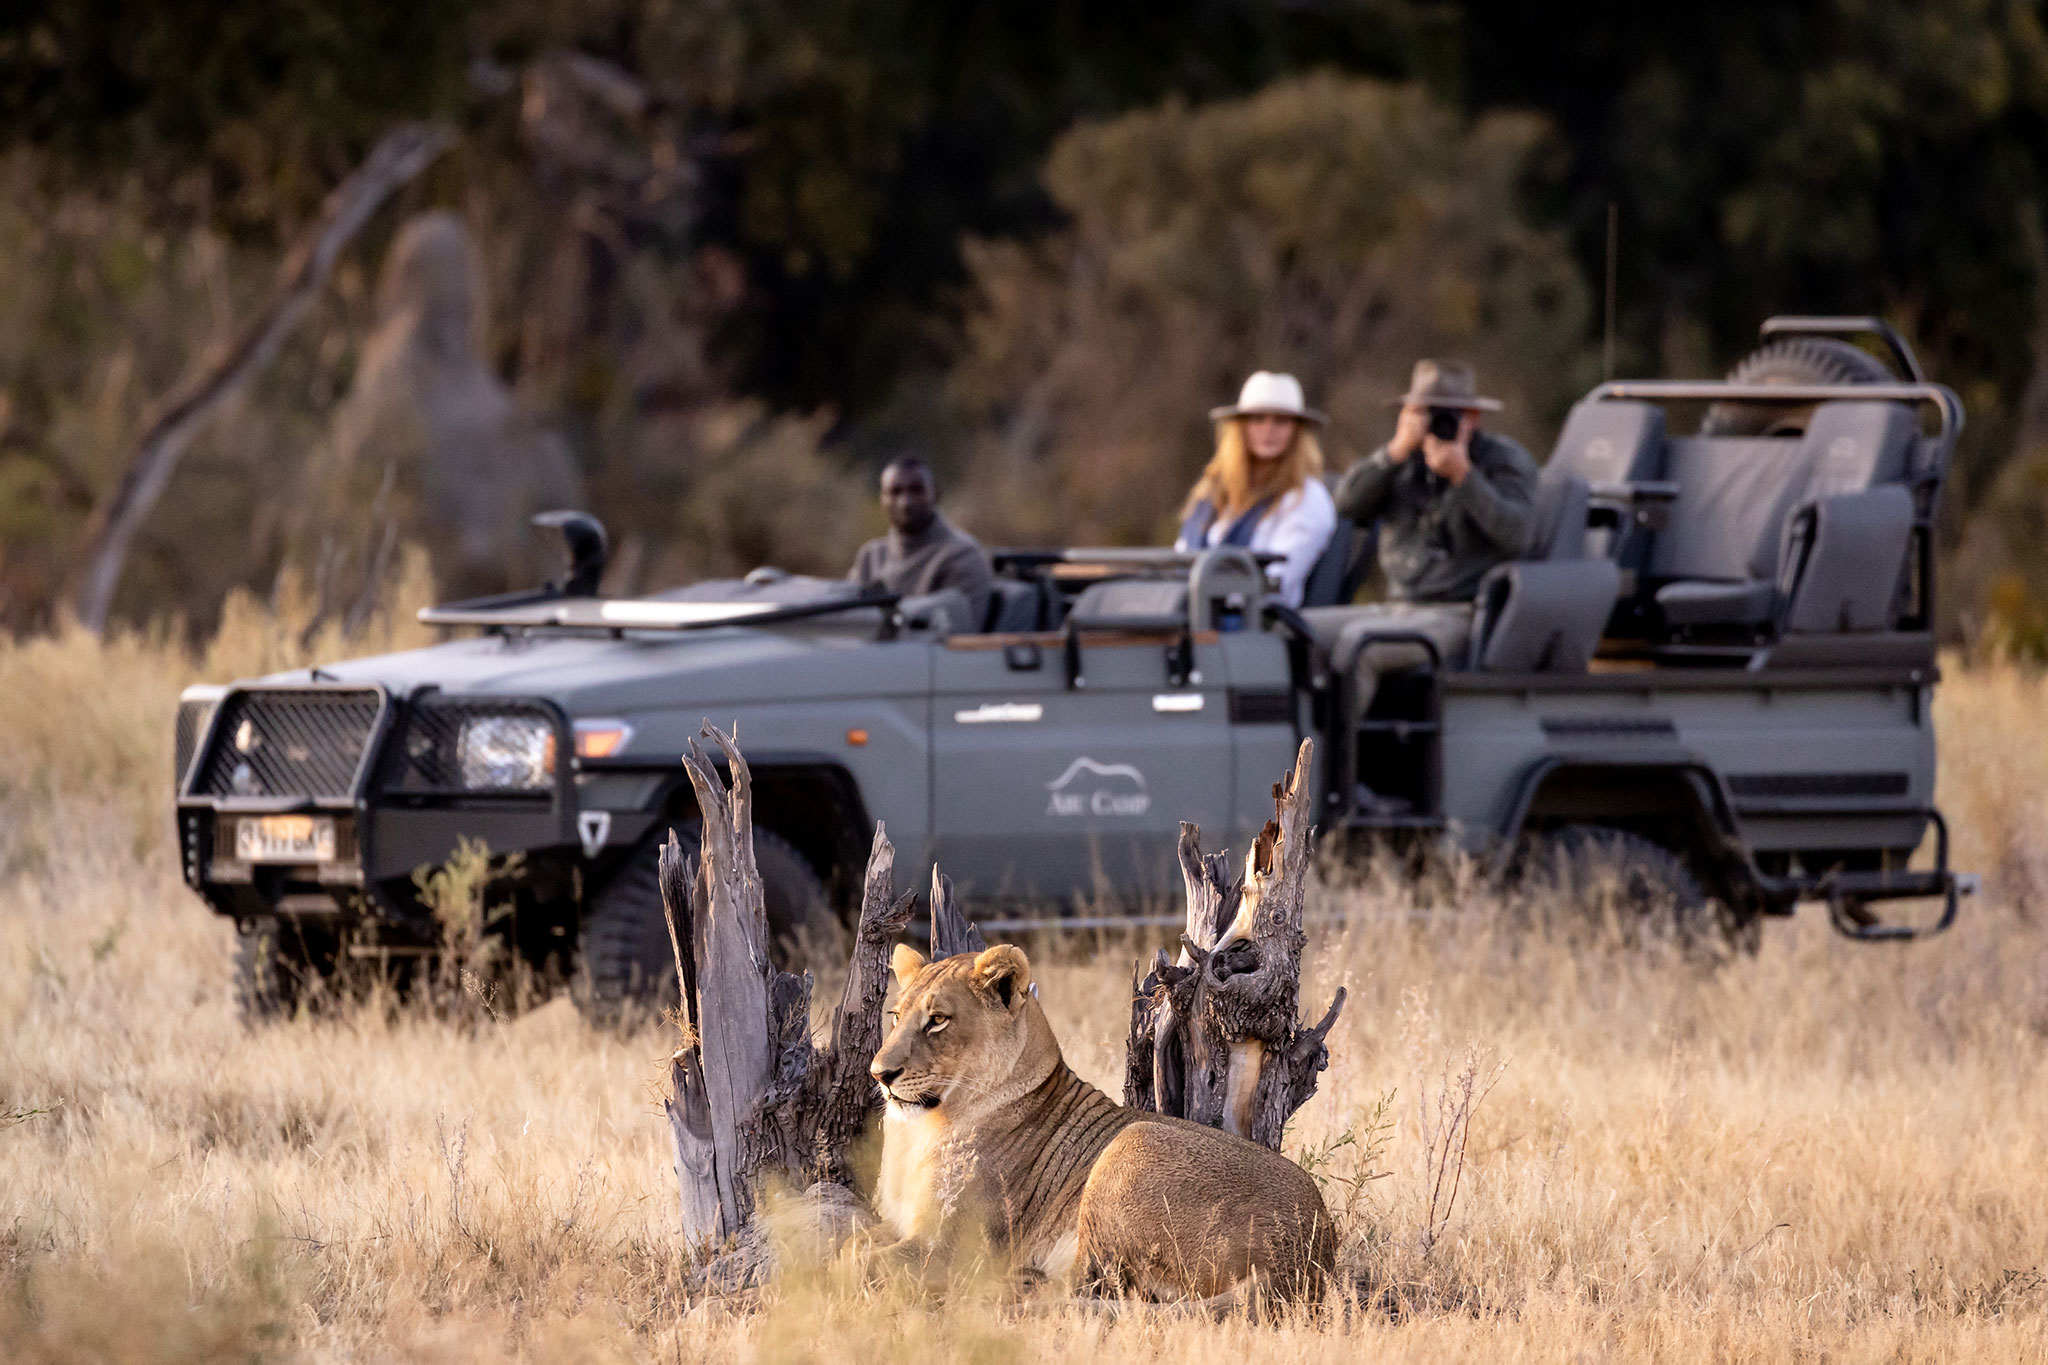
column 1718, row 655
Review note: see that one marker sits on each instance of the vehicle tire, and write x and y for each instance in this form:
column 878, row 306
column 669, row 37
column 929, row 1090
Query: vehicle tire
column 627, row 960
column 279, row 966
column 1792, row 360
column 1621, row 883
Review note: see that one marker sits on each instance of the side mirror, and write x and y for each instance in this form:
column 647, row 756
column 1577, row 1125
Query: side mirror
column 588, row 546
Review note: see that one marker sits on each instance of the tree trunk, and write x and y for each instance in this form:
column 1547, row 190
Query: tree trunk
column 1216, row 1035
column 396, row 160
column 754, row 1098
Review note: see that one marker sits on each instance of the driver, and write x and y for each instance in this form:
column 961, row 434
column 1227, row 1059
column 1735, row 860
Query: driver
column 923, row 552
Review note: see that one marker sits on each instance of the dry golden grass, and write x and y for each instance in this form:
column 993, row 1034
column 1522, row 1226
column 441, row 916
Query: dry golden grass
column 1826, row 1152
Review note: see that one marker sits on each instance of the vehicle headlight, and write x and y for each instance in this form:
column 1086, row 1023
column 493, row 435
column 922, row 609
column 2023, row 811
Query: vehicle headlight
column 506, row 753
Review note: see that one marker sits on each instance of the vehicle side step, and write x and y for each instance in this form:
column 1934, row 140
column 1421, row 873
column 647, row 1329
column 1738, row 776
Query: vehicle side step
column 1849, row 893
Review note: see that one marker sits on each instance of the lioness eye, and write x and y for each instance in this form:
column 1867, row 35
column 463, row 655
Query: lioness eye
column 936, row 1022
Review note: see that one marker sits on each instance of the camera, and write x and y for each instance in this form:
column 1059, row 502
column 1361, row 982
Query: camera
column 1444, row 423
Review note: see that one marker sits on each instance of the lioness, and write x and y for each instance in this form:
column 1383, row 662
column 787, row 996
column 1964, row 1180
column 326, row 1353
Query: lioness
column 984, row 1121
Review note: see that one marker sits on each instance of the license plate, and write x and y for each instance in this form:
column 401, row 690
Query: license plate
column 285, row 839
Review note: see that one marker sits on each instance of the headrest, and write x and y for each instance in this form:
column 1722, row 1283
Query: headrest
column 1858, row 445
column 1610, row 442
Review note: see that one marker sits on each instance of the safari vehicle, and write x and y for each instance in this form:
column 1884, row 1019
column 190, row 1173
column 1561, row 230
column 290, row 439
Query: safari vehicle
column 1718, row 657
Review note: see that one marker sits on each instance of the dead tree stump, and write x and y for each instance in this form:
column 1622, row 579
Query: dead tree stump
column 754, row 1099
column 951, row 931
column 1216, row 1035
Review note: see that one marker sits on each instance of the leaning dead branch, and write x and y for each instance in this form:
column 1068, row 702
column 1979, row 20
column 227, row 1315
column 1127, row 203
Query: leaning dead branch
column 753, row 1097
column 394, row 162
column 1216, row 1035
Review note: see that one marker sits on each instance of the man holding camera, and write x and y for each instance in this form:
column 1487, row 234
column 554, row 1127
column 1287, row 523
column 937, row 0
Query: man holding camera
column 1451, row 500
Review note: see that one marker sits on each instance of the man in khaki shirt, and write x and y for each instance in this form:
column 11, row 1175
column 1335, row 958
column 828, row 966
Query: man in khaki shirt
column 923, row 552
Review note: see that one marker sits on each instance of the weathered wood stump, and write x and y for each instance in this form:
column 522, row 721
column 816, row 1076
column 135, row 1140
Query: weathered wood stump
column 951, row 930
column 754, row 1099
column 1216, row 1035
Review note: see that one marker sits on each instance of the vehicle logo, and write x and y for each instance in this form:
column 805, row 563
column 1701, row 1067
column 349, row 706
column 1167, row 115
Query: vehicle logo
column 245, row 736
column 595, row 826
column 1091, row 788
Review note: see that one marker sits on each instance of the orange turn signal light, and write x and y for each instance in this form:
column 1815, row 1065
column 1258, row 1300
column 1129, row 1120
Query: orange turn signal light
column 856, row 737
column 601, row 738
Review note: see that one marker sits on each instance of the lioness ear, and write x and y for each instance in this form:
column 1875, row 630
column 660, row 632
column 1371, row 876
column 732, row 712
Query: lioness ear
column 906, row 962
column 1005, row 973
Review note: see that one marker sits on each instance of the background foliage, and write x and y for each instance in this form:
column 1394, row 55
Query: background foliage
column 737, row 253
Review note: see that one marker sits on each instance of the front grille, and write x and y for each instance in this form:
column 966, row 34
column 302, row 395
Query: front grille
column 191, row 724
column 427, row 759
column 300, row 742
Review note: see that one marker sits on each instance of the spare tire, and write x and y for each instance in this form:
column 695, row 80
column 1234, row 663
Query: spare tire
column 1791, row 360
column 627, row 960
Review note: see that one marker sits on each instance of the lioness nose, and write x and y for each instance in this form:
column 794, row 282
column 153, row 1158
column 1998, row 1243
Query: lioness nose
column 886, row 1076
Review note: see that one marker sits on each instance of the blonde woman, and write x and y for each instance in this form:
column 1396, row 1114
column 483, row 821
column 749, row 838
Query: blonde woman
column 1263, row 489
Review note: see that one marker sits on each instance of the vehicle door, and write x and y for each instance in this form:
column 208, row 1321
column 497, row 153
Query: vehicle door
column 1053, row 789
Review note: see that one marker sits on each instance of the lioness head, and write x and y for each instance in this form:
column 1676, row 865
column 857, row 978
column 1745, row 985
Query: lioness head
column 967, row 1034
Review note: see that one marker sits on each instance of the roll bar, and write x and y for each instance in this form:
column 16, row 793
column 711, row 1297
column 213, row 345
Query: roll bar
column 1939, row 396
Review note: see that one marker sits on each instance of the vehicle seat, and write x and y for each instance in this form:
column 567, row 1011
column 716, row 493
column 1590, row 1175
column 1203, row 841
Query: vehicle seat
column 1723, row 547
column 1131, row 604
column 1562, row 501
column 1542, row 617
column 1610, row 446
column 1546, row 612
column 1015, row 607
column 945, row 612
column 1618, row 441
column 1342, row 567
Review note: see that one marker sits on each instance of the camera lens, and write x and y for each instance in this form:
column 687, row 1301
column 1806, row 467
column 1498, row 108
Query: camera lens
column 1443, row 423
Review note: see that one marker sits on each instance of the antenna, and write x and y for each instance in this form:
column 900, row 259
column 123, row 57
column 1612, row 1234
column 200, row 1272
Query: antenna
column 1613, row 254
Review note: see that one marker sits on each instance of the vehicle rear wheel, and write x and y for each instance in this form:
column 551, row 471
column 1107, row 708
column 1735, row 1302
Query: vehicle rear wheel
column 280, row 965
column 627, row 960
column 1632, row 887
column 1792, row 360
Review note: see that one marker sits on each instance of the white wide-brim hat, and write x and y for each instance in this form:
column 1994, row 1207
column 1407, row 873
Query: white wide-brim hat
column 1277, row 395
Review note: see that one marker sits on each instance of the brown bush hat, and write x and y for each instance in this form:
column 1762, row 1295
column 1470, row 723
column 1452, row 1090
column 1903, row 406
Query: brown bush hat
column 1445, row 384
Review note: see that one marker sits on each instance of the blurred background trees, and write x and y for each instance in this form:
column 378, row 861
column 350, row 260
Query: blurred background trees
column 723, row 259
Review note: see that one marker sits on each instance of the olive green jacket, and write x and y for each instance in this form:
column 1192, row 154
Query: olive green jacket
column 1437, row 540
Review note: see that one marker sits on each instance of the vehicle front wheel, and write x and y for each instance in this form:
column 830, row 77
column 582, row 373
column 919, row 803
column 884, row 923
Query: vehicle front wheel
column 627, row 960
column 1630, row 887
